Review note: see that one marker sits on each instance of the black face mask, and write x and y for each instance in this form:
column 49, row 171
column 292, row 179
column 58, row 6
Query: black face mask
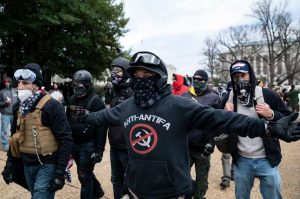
column 119, row 82
column 243, row 90
column 80, row 91
column 146, row 91
column 199, row 87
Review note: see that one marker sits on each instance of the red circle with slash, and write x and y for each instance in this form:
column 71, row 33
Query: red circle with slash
column 143, row 144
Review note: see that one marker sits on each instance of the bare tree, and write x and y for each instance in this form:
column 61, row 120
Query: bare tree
column 235, row 43
column 289, row 38
column 239, row 42
column 268, row 14
column 210, row 53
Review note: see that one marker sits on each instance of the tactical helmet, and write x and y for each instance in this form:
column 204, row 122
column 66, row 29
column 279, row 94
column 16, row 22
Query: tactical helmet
column 83, row 76
column 149, row 61
column 122, row 63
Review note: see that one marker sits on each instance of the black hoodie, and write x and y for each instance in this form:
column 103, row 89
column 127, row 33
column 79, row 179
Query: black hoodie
column 156, row 137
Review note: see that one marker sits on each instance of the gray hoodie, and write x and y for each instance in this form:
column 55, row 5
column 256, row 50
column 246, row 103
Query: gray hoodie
column 5, row 93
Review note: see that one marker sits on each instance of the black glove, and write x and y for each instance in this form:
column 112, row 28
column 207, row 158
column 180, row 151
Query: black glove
column 208, row 149
column 96, row 157
column 284, row 128
column 57, row 184
column 7, row 173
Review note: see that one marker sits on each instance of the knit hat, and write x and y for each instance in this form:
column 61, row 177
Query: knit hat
column 38, row 72
column 202, row 73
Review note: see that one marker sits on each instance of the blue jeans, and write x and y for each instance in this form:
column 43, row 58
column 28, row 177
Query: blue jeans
column 38, row 179
column 6, row 121
column 90, row 186
column 118, row 161
column 247, row 169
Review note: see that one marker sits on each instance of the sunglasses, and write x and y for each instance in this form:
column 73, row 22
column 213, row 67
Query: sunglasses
column 198, row 79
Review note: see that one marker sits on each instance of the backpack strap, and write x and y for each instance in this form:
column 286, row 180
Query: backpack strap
column 259, row 98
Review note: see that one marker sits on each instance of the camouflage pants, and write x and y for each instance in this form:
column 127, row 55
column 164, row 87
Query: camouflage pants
column 202, row 166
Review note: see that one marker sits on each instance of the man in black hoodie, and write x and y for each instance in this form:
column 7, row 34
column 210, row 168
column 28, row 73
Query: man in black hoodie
column 156, row 137
column 89, row 140
column 118, row 149
column 260, row 156
column 41, row 137
column 201, row 143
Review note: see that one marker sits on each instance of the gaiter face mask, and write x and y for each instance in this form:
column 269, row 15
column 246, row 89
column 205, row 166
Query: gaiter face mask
column 199, row 87
column 80, row 90
column 243, row 89
column 146, row 91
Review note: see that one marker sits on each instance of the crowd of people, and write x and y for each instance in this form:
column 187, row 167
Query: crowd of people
column 151, row 150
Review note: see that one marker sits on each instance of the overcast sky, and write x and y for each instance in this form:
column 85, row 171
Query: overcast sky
column 175, row 30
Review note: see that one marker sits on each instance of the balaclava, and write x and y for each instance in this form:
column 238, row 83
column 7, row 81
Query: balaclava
column 199, row 86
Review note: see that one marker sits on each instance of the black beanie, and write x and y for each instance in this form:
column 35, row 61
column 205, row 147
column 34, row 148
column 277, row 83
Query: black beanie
column 202, row 73
column 38, row 72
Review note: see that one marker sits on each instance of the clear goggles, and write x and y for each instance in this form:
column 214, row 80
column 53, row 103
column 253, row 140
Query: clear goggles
column 25, row 74
column 145, row 58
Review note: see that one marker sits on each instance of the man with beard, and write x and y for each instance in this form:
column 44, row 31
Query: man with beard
column 254, row 157
column 89, row 140
column 155, row 129
column 201, row 143
column 118, row 149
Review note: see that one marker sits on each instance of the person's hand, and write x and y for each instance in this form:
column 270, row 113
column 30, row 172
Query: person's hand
column 229, row 107
column 96, row 158
column 7, row 173
column 208, row 149
column 57, row 184
column 264, row 110
column 284, row 128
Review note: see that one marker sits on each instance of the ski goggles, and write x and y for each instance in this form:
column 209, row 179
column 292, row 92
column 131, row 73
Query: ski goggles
column 144, row 58
column 25, row 74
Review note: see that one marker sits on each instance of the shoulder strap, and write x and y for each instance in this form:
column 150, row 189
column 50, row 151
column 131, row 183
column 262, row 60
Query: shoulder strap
column 43, row 101
column 259, row 98
column 259, row 95
column 230, row 98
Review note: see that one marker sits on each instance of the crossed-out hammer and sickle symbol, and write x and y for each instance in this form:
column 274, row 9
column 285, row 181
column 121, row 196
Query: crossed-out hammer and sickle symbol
column 143, row 141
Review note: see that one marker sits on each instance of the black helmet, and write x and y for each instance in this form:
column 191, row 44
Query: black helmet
column 83, row 76
column 149, row 61
column 122, row 63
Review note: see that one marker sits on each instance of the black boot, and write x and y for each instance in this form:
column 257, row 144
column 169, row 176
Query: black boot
column 225, row 182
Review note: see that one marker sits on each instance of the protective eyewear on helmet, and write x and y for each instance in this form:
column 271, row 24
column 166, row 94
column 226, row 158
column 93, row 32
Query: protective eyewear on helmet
column 144, row 58
column 25, row 74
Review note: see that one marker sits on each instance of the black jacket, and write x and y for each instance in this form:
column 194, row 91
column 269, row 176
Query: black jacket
column 81, row 132
column 158, row 154
column 54, row 117
column 272, row 146
column 115, row 133
column 199, row 138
